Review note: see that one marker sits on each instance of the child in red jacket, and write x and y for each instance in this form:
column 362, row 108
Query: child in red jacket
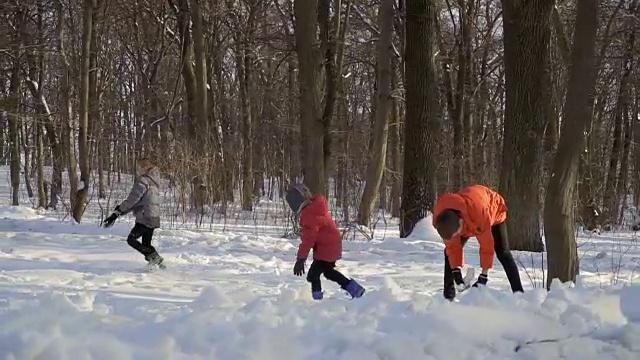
column 320, row 233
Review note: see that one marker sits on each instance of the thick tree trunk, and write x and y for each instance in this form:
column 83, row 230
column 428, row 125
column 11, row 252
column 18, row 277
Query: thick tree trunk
column 186, row 59
column 306, row 15
column 332, row 44
column 380, row 130
column 526, row 42
column 559, row 217
column 422, row 123
column 202, row 109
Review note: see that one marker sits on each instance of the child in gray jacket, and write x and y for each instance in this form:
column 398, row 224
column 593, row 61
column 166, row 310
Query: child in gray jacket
column 143, row 202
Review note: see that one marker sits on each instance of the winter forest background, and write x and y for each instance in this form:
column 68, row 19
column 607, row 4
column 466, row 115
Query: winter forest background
column 383, row 105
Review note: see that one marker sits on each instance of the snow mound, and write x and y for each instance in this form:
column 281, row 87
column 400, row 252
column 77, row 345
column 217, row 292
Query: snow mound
column 630, row 303
column 377, row 326
column 18, row 213
column 424, row 230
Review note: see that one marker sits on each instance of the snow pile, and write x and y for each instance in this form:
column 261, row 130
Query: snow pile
column 424, row 230
column 630, row 303
column 18, row 213
column 630, row 307
column 486, row 324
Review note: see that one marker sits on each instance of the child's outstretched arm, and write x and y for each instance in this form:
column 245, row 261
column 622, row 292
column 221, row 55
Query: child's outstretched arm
column 137, row 192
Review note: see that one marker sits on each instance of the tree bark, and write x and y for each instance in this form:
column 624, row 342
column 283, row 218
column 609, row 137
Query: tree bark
column 422, row 121
column 67, row 151
column 202, row 110
column 396, row 151
column 83, row 136
column 380, row 130
column 14, row 132
column 186, row 58
column 332, row 44
column 39, row 163
column 623, row 176
column 559, row 216
column 306, row 15
column 226, row 131
column 526, row 42
column 27, row 165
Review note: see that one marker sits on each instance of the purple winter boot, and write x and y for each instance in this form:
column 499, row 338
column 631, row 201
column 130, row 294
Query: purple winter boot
column 354, row 289
column 317, row 295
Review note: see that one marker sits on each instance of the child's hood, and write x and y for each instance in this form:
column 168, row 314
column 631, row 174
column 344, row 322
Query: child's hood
column 154, row 175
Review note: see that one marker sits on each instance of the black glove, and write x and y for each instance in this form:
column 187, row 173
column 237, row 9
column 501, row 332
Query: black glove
column 460, row 285
column 108, row 222
column 457, row 276
column 482, row 280
column 298, row 268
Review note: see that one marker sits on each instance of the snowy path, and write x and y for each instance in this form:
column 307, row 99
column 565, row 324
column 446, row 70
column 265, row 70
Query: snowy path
column 79, row 292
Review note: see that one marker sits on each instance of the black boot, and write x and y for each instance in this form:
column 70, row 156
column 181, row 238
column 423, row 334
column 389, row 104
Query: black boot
column 155, row 259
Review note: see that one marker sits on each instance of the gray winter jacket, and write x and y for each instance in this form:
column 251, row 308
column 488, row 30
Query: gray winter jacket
column 143, row 200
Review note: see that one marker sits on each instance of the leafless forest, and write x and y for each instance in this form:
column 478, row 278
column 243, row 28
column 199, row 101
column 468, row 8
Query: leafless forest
column 383, row 104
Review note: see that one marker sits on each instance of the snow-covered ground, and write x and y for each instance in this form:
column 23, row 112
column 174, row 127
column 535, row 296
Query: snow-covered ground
column 76, row 291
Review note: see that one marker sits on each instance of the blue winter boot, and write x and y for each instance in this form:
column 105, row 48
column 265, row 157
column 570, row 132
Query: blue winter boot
column 354, row 289
column 317, row 295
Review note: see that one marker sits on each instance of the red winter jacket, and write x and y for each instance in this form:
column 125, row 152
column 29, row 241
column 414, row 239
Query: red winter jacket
column 319, row 232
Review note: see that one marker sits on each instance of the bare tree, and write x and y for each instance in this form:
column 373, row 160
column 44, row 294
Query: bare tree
column 422, row 123
column 559, row 217
column 14, row 106
column 380, row 130
column 83, row 136
column 616, row 177
column 526, row 43
column 306, row 23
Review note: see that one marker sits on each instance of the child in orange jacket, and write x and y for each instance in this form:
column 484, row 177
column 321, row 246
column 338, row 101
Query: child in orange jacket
column 475, row 211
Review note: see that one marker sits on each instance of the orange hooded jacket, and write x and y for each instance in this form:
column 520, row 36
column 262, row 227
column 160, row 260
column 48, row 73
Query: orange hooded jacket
column 480, row 208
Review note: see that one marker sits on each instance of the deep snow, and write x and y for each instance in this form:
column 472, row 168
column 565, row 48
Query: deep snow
column 76, row 291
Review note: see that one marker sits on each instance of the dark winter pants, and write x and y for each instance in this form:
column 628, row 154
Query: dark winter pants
column 320, row 267
column 503, row 253
column 146, row 233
